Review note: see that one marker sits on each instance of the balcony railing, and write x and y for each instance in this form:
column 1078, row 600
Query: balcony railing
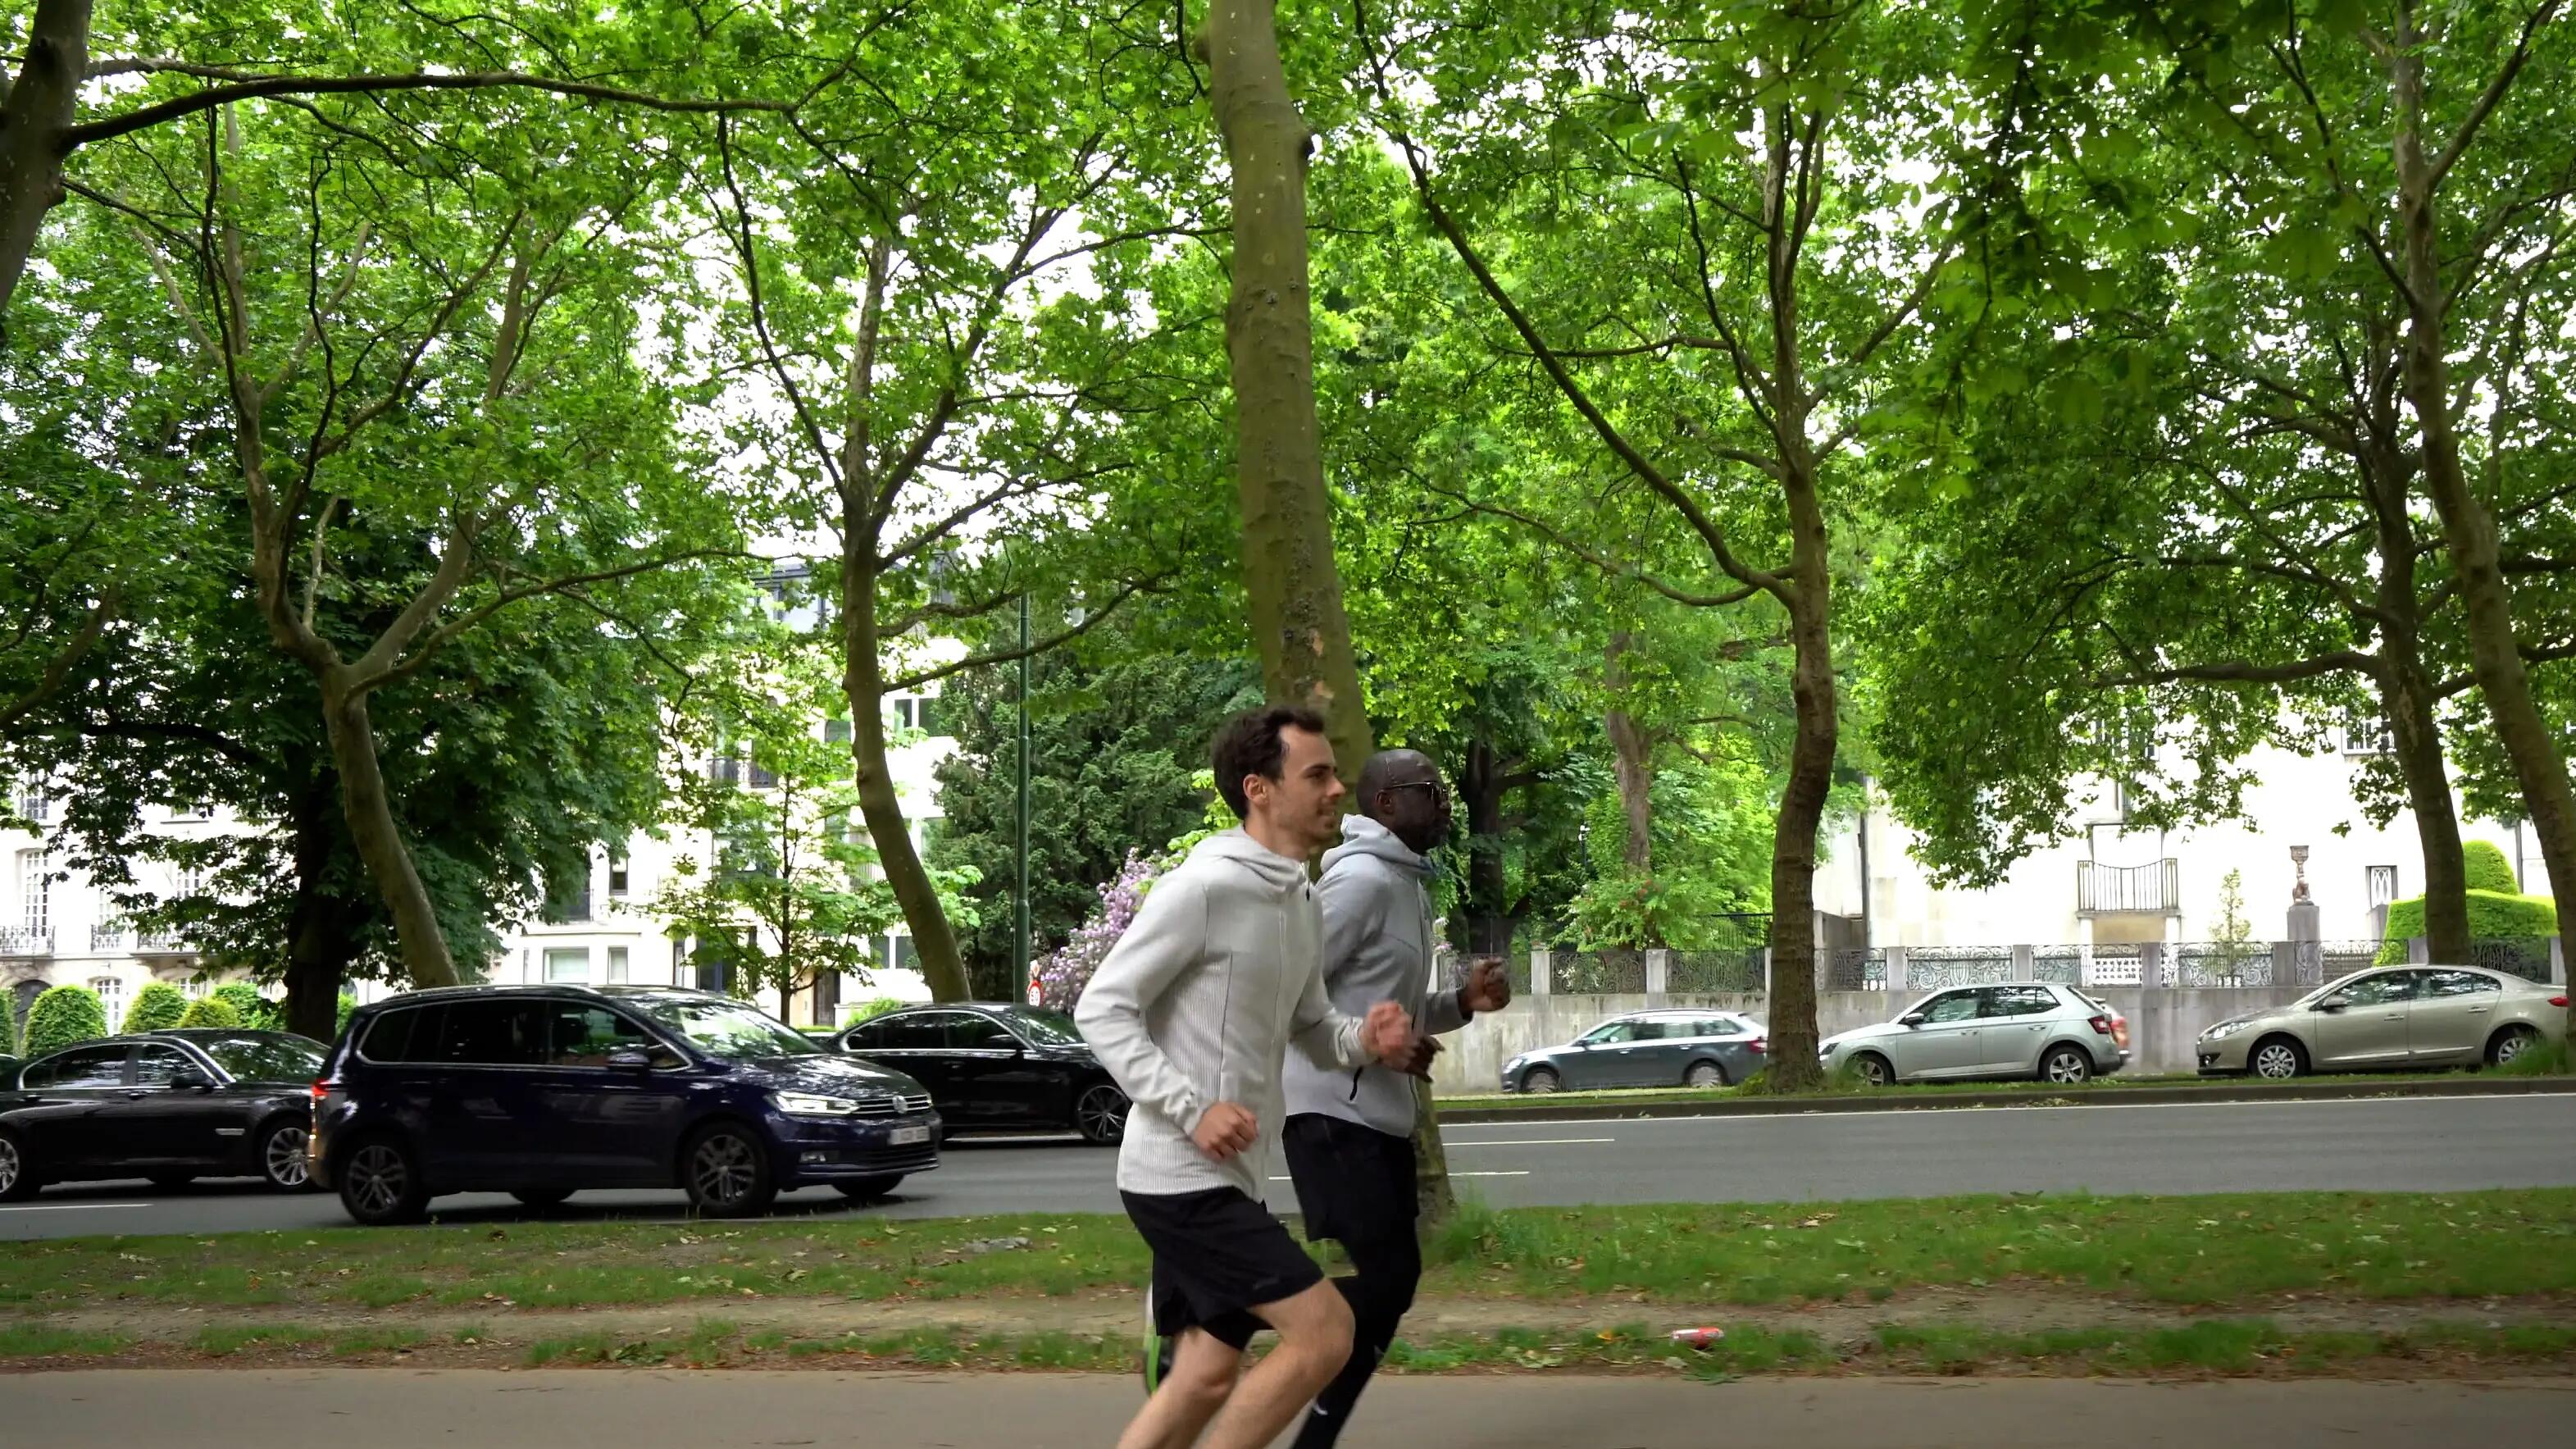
column 161, row 943
column 2151, row 889
column 108, row 936
column 26, row 941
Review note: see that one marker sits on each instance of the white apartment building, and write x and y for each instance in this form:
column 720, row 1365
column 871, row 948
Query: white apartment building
column 2114, row 885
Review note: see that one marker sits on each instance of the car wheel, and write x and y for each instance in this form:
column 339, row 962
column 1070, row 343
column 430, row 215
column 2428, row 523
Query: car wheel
column 380, row 1184
column 17, row 1174
column 1100, row 1115
column 2278, row 1058
column 1540, row 1079
column 171, row 1181
column 283, row 1162
column 864, row 1189
column 2509, row 1043
column 1704, row 1074
column 542, row 1198
column 1873, row 1070
column 2067, row 1066
column 726, row 1171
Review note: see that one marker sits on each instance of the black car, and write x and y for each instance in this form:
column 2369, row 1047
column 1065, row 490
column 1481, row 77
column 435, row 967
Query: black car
column 996, row 1067
column 9, row 1066
column 544, row 1091
column 170, row 1106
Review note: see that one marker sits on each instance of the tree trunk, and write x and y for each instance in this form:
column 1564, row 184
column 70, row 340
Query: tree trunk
column 1483, row 783
column 2406, row 699
column 1802, row 800
column 1288, row 567
column 1289, row 573
column 322, row 928
column 34, row 114
column 378, row 837
column 1632, row 760
column 2468, row 524
column 863, row 684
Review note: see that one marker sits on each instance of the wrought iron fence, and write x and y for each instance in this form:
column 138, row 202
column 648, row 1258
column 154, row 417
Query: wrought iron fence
column 1931, row 968
column 2220, row 963
column 2319, row 962
column 1601, row 973
column 1853, row 969
column 26, row 941
column 107, row 936
column 2524, row 956
column 2114, row 965
column 1706, row 972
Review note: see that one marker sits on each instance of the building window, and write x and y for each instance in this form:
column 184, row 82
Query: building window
column 35, row 891
column 2382, row 883
column 617, row 877
column 111, row 994
column 32, row 802
column 679, row 958
column 616, row 965
column 568, row 899
column 836, row 732
column 187, row 881
column 568, row 963
column 2368, row 735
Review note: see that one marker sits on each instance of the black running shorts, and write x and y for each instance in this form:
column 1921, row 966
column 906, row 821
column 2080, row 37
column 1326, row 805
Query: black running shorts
column 1217, row 1256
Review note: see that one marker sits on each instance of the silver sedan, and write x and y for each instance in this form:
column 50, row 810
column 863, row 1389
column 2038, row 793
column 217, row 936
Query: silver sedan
column 2400, row 1016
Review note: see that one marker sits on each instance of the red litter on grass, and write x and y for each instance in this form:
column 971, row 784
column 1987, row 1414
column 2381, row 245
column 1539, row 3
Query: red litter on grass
column 1698, row 1337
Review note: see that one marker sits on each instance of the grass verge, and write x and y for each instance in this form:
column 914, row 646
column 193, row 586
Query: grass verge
column 2214, row 1251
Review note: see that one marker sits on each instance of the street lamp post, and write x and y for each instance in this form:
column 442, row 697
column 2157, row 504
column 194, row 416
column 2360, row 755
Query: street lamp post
column 1020, row 940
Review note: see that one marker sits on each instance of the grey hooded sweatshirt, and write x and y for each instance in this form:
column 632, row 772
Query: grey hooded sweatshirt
column 1377, row 947
column 1198, row 1003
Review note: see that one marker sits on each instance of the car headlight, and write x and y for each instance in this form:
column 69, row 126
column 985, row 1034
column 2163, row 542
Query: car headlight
column 808, row 1104
column 2224, row 1029
column 1514, row 1064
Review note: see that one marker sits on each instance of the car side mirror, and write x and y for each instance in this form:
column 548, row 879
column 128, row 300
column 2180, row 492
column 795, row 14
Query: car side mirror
column 1912, row 1018
column 189, row 1079
column 2331, row 1003
column 630, row 1061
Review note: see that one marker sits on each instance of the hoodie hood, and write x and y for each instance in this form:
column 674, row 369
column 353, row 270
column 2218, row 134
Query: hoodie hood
column 1363, row 836
column 1241, row 851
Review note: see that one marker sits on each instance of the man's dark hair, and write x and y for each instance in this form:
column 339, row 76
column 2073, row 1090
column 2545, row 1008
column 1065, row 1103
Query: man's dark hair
column 1250, row 744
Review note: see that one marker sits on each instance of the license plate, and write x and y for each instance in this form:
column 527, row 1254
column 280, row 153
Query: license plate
column 907, row 1136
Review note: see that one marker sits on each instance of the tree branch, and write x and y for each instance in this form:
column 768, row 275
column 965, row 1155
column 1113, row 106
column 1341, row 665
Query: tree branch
column 1033, row 649
column 1593, row 556
column 58, row 669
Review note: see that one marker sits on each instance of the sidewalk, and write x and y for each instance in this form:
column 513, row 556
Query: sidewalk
column 635, row 1409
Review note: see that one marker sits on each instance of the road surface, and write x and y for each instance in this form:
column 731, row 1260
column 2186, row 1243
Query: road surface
column 2398, row 1144
column 643, row 1409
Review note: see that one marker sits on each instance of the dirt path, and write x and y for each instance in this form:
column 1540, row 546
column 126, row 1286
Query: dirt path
column 2003, row 1309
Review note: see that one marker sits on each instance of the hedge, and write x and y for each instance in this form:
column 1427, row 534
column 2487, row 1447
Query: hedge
column 210, row 1011
column 2493, row 916
column 9, row 1023
column 254, row 1009
column 2487, row 868
column 157, row 1006
column 64, row 1016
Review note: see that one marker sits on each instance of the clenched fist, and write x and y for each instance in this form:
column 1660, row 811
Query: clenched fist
column 1224, row 1130
column 1387, row 1033
column 1488, row 988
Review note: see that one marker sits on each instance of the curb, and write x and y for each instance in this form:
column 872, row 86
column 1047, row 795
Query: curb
column 1900, row 1099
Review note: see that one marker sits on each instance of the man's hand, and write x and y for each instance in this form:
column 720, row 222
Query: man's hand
column 1488, row 988
column 1224, row 1130
column 1387, row 1034
column 1418, row 1062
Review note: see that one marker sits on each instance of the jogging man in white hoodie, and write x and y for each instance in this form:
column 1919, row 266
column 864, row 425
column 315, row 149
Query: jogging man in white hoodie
column 1193, row 1013
column 1349, row 1137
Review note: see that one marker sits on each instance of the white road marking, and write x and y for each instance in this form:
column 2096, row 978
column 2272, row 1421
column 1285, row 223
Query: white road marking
column 1531, row 1141
column 1523, row 1173
column 75, row 1207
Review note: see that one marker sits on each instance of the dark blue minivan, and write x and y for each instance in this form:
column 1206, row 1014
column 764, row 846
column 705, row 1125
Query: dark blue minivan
column 543, row 1091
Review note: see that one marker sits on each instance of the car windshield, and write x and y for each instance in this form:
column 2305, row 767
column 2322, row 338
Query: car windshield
column 266, row 1056
column 728, row 1029
column 1046, row 1028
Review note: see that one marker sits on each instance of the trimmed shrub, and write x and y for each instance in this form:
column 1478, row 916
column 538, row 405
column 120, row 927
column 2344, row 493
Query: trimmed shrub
column 8, row 1023
column 340, row 1020
column 158, row 1006
column 210, row 1011
column 254, row 1009
column 2492, row 917
column 2488, row 870
column 64, row 1016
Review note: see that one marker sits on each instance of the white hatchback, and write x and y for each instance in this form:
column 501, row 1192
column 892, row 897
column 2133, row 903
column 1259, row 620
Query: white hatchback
column 2031, row 1029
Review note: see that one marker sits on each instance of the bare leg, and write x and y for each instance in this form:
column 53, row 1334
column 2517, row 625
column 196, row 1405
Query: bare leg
column 1203, row 1374
column 1314, row 1342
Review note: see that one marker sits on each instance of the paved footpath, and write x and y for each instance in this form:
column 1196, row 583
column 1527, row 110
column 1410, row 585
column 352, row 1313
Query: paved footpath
column 734, row 1409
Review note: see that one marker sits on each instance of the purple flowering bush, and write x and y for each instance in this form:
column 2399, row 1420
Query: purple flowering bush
column 1061, row 974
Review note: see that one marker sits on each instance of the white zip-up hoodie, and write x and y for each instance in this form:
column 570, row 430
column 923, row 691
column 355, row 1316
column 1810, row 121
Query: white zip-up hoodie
column 1198, row 1002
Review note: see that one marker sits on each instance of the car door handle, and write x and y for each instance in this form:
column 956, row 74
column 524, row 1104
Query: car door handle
column 2480, row 1010
column 136, row 1096
column 2394, row 1016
